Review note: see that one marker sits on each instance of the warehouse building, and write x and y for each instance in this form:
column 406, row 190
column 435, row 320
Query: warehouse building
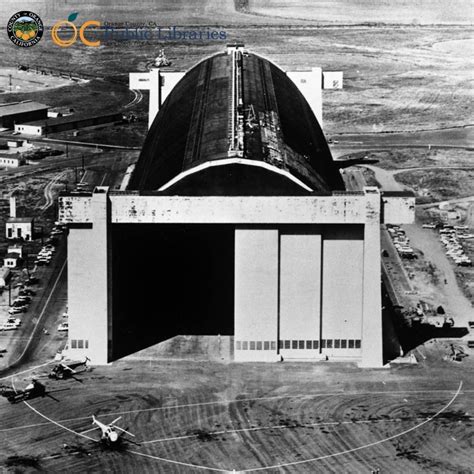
column 63, row 124
column 11, row 161
column 20, row 112
column 247, row 229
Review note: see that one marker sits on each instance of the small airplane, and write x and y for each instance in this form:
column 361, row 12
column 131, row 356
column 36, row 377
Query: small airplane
column 161, row 60
column 33, row 390
column 63, row 371
column 109, row 431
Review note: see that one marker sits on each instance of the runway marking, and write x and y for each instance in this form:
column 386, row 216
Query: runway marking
column 56, row 423
column 327, row 456
column 26, row 370
column 281, row 427
column 276, row 466
column 218, row 402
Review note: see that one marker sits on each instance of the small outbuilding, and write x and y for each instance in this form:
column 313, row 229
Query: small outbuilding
column 19, row 228
column 11, row 260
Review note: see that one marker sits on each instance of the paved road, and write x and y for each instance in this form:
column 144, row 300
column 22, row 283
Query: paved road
column 459, row 137
column 451, row 297
column 27, row 342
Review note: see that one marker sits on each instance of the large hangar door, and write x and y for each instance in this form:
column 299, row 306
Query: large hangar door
column 300, row 294
column 171, row 280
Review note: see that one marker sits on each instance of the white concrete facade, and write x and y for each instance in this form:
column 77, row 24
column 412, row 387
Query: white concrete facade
column 307, row 270
column 19, row 228
column 89, row 302
column 159, row 83
column 309, row 84
column 333, row 79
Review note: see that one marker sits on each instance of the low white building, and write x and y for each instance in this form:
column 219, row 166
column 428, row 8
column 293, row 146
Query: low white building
column 19, row 228
column 16, row 249
column 11, row 161
column 11, row 260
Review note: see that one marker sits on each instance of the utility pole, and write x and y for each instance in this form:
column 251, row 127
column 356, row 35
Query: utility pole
column 10, row 81
column 26, row 262
column 82, row 164
column 9, row 294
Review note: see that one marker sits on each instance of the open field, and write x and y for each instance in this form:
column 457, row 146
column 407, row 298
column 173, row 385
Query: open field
column 395, row 78
column 366, row 11
column 13, row 80
column 442, row 184
column 239, row 416
column 240, row 12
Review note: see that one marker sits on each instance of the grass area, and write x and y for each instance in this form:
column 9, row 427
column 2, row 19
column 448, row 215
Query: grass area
column 398, row 159
column 365, row 11
column 439, row 184
column 395, row 78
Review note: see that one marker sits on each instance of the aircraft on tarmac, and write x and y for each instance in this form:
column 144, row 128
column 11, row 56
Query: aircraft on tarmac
column 64, row 371
column 33, row 390
column 109, row 431
column 161, row 60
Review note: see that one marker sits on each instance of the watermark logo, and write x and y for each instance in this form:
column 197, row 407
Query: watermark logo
column 25, row 29
column 62, row 26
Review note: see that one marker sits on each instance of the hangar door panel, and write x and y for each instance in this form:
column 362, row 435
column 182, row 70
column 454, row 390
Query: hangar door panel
column 300, row 294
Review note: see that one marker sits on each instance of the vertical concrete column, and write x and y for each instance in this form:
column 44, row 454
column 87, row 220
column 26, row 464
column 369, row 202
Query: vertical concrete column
column 309, row 84
column 154, row 100
column 256, row 294
column 372, row 351
column 89, row 289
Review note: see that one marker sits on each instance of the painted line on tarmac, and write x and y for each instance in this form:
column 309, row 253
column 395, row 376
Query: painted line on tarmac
column 282, row 427
column 218, row 402
column 359, row 448
column 27, row 370
column 264, row 468
column 56, row 423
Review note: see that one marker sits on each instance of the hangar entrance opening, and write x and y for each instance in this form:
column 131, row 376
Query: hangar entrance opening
column 169, row 280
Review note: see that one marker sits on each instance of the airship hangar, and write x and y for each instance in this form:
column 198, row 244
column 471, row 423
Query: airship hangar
column 234, row 221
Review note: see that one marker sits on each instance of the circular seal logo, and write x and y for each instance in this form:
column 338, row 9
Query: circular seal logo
column 25, row 29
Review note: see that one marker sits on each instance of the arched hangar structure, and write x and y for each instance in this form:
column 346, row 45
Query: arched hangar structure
column 234, row 221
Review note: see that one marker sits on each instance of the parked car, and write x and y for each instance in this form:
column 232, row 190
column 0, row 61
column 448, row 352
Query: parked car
column 16, row 321
column 26, row 292
column 27, row 299
column 9, row 327
column 63, row 327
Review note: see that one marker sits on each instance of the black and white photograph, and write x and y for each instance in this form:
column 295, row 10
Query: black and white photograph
column 237, row 236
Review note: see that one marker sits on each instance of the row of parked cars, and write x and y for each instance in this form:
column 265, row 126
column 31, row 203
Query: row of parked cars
column 449, row 236
column 19, row 305
column 45, row 255
column 401, row 241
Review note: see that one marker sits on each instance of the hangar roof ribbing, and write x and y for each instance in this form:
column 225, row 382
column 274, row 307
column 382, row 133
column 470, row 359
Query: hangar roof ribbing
column 236, row 126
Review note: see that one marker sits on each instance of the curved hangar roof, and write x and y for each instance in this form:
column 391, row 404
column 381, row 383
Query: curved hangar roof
column 235, row 125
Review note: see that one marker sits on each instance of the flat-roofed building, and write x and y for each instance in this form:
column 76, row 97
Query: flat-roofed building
column 19, row 112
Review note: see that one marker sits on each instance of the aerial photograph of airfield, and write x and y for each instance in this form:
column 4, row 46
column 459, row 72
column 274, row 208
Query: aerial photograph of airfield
column 237, row 236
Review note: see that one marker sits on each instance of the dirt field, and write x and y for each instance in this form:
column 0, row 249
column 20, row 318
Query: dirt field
column 395, row 78
column 366, row 11
column 194, row 417
column 441, row 184
column 23, row 81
